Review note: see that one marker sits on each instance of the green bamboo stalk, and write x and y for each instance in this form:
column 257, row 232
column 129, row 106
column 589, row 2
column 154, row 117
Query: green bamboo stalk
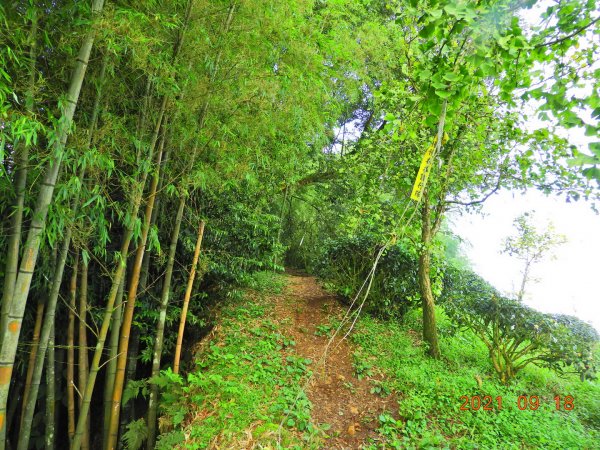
column 70, row 347
column 116, row 281
column 29, row 405
column 111, row 364
column 35, row 343
column 14, row 238
column 160, row 328
column 38, row 222
column 119, row 382
column 186, row 300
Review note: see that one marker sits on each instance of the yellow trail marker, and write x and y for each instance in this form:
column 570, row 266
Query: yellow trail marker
column 423, row 174
column 425, row 168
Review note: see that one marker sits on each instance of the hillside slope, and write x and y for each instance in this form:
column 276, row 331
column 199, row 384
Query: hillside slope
column 259, row 383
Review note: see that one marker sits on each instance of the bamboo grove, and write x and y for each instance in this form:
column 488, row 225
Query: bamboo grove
column 154, row 152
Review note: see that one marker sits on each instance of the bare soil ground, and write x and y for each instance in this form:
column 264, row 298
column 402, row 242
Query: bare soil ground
column 338, row 397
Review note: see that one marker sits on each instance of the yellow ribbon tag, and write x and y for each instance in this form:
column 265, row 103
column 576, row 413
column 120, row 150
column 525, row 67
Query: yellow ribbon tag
column 423, row 174
column 425, row 168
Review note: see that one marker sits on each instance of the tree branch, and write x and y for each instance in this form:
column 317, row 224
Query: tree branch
column 569, row 36
column 481, row 200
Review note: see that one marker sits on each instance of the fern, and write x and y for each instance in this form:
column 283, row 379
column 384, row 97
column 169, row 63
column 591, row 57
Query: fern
column 136, row 434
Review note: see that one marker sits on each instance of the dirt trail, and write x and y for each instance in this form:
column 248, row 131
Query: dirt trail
column 338, row 397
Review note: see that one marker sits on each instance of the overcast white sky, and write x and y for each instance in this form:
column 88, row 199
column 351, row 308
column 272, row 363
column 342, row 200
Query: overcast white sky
column 568, row 284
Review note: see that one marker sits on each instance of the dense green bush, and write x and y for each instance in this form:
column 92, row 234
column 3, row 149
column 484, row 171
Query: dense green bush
column 240, row 236
column 346, row 262
column 515, row 334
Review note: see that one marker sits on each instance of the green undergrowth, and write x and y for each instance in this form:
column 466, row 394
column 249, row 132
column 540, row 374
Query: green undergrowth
column 247, row 381
column 429, row 395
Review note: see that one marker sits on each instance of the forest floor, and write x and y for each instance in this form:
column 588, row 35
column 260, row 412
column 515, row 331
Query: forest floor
column 258, row 381
column 346, row 403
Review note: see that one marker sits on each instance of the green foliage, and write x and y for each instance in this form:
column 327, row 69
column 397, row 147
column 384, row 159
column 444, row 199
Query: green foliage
column 136, row 434
column 241, row 385
column 346, row 262
column 429, row 396
column 257, row 98
column 265, row 282
column 515, row 334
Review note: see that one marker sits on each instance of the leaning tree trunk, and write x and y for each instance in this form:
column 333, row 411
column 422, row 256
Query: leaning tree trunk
column 186, row 300
column 38, row 222
column 49, row 319
column 429, row 326
column 160, row 327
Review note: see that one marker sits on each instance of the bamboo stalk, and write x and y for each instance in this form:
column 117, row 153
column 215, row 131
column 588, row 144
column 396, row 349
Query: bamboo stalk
column 116, row 281
column 186, row 299
column 160, row 327
column 49, row 319
column 71, row 350
column 14, row 238
column 30, row 250
column 83, row 353
column 35, row 342
column 111, row 368
column 119, row 382
column 49, row 436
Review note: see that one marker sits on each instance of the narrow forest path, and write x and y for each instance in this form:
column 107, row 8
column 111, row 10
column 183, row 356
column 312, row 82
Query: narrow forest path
column 339, row 398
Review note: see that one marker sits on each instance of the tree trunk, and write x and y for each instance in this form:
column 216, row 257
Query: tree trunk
column 429, row 326
column 160, row 327
column 186, row 300
column 38, row 222
column 521, row 292
column 71, row 350
column 50, row 394
column 83, row 352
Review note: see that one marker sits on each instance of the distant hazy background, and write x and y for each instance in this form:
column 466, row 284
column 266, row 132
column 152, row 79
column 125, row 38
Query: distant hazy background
column 569, row 284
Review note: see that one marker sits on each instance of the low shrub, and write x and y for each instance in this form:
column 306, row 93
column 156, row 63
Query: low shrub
column 346, row 262
column 514, row 334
